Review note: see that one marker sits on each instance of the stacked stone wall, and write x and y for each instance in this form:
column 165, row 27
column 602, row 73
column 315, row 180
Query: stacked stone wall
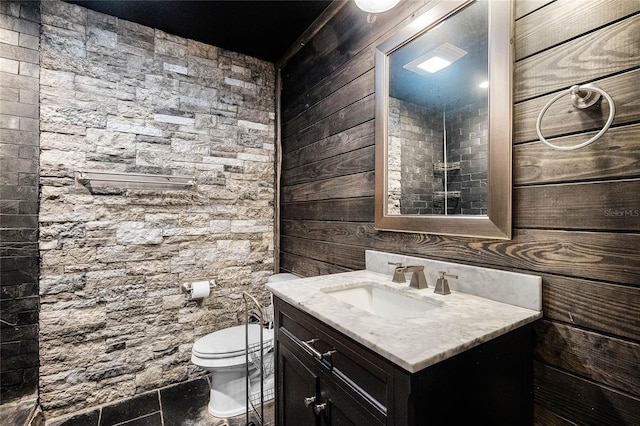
column 468, row 143
column 415, row 145
column 120, row 97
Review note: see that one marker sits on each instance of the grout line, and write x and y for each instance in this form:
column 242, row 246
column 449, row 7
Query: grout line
column 99, row 408
column 126, row 422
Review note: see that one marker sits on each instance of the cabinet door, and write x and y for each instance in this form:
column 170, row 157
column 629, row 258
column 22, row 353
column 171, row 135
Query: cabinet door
column 343, row 409
column 296, row 383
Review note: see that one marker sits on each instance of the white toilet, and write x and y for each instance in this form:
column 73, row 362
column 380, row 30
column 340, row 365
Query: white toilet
column 223, row 354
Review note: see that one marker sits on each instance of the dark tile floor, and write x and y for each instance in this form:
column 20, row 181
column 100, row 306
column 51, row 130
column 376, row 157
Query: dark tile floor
column 184, row 404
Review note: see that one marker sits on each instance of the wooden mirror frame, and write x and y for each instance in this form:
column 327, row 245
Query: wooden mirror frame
column 497, row 223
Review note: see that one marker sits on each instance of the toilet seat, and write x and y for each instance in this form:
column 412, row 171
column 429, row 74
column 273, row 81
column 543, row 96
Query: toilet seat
column 230, row 342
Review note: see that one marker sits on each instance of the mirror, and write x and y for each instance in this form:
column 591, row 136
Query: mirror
column 443, row 122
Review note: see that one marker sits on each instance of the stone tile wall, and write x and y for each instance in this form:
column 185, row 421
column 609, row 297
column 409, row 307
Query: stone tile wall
column 468, row 143
column 415, row 139
column 415, row 145
column 19, row 71
column 117, row 96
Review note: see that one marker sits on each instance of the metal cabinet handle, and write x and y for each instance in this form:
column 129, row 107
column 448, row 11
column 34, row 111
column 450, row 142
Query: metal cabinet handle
column 309, row 400
column 319, row 408
column 307, row 344
column 329, row 353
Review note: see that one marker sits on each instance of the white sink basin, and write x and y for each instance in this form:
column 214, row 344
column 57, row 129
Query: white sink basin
column 382, row 301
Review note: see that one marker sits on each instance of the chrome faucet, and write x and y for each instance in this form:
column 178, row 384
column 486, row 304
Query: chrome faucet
column 442, row 285
column 418, row 280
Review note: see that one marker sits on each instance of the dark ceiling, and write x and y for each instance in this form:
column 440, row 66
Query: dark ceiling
column 263, row 29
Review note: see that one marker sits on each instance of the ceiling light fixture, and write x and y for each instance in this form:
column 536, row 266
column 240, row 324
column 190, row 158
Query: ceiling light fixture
column 434, row 64
column 436, row 59
column 376, row 6
column 484, row 85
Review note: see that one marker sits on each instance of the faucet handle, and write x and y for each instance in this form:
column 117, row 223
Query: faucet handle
column 442, row 285
column 445, row 274
column 398, row 273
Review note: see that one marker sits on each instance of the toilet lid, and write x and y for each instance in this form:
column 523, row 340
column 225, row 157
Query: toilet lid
column 230, row 342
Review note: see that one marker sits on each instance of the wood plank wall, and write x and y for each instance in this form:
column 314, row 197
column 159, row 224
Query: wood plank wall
column 576, row 220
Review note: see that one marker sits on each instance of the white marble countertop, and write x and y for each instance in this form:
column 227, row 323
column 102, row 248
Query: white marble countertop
column 415, row 342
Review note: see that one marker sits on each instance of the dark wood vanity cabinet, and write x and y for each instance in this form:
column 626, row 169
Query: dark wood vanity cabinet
column 309, row 397
column 324, row 378
column 310, row 389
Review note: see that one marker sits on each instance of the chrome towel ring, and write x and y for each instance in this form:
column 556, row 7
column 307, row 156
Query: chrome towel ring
column 582, row 97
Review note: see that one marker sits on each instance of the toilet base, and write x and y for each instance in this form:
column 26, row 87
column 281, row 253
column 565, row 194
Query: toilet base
column 224, row 414
column 228, row 394
column 229, row 398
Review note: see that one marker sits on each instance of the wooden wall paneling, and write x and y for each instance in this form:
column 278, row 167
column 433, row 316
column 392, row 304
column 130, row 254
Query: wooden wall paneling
column 604, row 359
column 588, row 260
column 346, row 118
column 544, row 417
column 357, row 137
column 601, row 306
column 609, row 50
column 344, row 255
column 350, row 209
column 525, row 7
column 324, row 53
column 304, row 70
column 356, row 185
column 355, row 90
column 320, row 22
column 295, row 75
column 351, row 162
column 356, row 233
column 305, row 267
column 605, row 205
column 615, row 155
column 360, row 64
column 590, row 255
column 562, row 118
column 581, row 400
column 364, row 235
column 565, row 20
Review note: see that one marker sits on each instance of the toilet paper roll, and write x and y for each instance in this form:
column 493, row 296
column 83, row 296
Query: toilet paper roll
column 200, row 289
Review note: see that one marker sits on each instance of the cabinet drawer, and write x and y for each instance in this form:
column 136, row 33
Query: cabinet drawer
column 346, row 361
